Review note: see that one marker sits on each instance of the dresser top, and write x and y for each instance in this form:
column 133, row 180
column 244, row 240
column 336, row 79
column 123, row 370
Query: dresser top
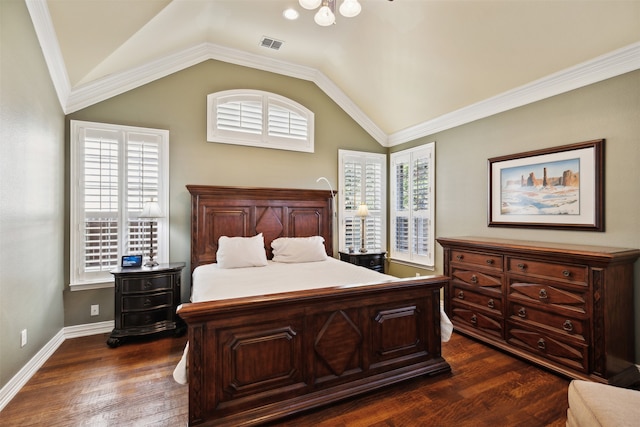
column 534, row 246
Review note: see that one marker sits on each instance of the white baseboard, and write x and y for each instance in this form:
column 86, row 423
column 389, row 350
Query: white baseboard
column 88, row 329
column 14, row 385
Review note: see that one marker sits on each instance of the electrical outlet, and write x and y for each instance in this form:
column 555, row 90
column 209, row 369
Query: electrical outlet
column 95, row 309
column 23, row 338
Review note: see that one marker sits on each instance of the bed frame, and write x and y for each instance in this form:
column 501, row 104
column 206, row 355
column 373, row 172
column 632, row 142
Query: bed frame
column 253, row 360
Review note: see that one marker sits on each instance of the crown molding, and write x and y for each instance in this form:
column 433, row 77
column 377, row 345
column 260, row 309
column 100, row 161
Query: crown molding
column 119, row 83
column 71, row 99
column 606, row 66
column 48, row 40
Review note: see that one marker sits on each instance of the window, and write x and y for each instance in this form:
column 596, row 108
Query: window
column 259, row 119
column 114, row 171
column 362, row 180
column 412, row 200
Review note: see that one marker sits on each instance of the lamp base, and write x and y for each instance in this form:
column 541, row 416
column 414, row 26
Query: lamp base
column 151, row 263
column 363, row 250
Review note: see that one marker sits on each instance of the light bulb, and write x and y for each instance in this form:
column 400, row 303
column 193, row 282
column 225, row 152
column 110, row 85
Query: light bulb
column 309, row 4
column 350, row 8
column 324, row 17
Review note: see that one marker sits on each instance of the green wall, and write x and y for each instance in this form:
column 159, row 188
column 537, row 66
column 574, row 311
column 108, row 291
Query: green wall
column 609, row 110
column 178, row 103
column 31, row 194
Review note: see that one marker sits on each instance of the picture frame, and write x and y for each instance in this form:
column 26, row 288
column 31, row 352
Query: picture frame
column 555, row 188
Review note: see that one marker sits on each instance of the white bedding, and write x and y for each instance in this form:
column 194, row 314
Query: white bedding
column 210, row 282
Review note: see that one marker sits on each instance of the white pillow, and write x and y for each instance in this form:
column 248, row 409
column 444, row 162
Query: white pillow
column 237, row 252
column 299, row 249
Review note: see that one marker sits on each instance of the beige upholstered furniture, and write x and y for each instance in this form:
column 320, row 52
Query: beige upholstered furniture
column 601, row 405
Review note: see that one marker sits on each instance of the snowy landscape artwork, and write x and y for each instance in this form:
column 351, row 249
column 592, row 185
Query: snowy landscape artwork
column 551, row 188
column 559, row 187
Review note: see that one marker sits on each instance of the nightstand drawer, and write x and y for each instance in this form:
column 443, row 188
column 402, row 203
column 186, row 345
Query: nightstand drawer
column 145, row 302
column 146, row 318
column 146, row 284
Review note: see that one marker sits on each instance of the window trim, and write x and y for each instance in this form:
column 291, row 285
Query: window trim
column 342, row 212
column 262, row 139
column 411, row 258
column 77, row 128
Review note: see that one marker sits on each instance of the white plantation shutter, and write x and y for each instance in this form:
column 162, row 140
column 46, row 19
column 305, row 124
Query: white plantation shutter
column 412, row 211
column 241, row 115
column 285, row 123
column 115, row 170
column 362, row 180
column 259, row 119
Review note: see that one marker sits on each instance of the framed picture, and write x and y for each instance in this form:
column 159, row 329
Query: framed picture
column 560, row 187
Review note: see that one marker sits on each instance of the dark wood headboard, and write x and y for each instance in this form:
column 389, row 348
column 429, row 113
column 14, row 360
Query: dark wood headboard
column 245, row 212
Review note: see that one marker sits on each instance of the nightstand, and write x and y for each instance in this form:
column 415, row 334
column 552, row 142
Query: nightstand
column 146, row 299
column 371, row 260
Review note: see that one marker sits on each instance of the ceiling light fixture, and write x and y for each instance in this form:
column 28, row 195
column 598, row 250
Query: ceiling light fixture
column 326, row 15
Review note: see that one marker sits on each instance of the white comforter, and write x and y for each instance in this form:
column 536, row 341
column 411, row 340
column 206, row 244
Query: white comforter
column 213, row 283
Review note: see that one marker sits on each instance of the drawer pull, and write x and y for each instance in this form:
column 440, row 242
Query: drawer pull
column 543, row 294
column 148, row 285
column 522, row 312
column 567, row 326
column 522, row 266
column 490, row 261
column 474, row 319
column 147, row 302
column 566, row 273
column 474, row 279
column 541, row 344
column 491, row 304
column 461, row 295
column 459, row 257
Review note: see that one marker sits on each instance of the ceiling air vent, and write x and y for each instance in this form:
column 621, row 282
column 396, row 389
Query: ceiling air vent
column 270, row 43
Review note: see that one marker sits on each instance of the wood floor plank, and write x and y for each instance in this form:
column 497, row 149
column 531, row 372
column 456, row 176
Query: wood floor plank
column 85, row 383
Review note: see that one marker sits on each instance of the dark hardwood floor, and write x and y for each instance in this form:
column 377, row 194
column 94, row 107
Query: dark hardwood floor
column 85, row 383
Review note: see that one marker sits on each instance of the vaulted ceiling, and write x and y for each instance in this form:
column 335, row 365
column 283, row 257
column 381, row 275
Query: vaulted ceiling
column 402, row 68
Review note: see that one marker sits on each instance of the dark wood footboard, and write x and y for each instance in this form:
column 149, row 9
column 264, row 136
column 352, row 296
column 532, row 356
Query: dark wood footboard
column 253, row 360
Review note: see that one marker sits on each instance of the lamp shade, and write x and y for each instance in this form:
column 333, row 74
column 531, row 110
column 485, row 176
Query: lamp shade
column 363, row 210
column 151, row 210
column 324, row 17
column 350, row 8
column 309, row 4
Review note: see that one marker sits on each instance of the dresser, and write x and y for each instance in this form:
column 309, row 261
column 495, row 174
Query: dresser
column 370, row 260
column 568, row 308
column 146, row 299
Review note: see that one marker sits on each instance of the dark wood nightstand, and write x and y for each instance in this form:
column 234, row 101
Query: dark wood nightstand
column 146, row 299
column 371, row 260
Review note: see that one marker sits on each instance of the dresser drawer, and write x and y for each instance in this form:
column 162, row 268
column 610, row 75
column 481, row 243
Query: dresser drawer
column 145, row 318
column 477, row 259
column 576, row 274
column 492, row 303
column 548, row 294
column 565, row 352
column 476, row 319
column 145, row 302
column 552, row 321
column 131, row 285
column 477, row 279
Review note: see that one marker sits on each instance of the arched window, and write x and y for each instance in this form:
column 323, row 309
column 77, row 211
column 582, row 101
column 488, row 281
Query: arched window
column 259, row 119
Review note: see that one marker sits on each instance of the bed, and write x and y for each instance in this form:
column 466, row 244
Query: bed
column 256, row 355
